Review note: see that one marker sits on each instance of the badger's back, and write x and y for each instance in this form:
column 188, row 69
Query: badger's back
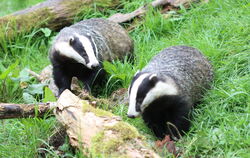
column 112, row 40
column 187, row 66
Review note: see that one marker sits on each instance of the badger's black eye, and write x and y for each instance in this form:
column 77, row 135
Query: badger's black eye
column 71, row 41
column 84, row 54
column 153, row 79
column 139, row 101
column 77, row 45
column 138, row 106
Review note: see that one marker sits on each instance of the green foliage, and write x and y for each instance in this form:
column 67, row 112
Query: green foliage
column 21, row 138
column 6, row 72
column 28, row 98
column 121, row 71
column 48, row 95
column 46, row 31
column 8, row 88
column 220, row 29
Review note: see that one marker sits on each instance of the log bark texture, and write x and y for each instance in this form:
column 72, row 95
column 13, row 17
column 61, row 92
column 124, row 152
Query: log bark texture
column 99, row 132
column 8, row 110
column 53, row 14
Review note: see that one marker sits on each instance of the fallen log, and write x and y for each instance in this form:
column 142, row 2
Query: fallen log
column 12, row 110
column 8, row 110
column 53, row 14
column 89, row 129
column 99, row 133
column 121, row 18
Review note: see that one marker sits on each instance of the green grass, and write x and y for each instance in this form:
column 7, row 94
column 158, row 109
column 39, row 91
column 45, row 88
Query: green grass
column 220, row 29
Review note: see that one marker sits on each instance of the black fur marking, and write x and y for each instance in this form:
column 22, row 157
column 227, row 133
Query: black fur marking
column 78, row 47
column 172, row 109
column 64, row 72
column 62, row 79
column 143, row 89
column 153, row 79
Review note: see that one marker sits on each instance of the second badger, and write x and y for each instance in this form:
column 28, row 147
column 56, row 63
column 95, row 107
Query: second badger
column 165, row 91
column 79, row 50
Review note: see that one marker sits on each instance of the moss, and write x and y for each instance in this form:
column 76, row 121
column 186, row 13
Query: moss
column 126, row 130
column 78, row 4
column 107, row 3
column 98, row 3
column 112, row 145
column 10, row 25
column 98, row 112
column 102, row 147
column 102, row 144
column 81, row 8
column 123, row 132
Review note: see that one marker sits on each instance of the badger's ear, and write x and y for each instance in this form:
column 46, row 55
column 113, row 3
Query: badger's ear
column 153, row 79
column 71, row 40
column 137, row 72
column 88, row 35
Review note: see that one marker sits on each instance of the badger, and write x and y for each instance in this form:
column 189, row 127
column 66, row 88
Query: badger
column 167, row 88
column 79, row 50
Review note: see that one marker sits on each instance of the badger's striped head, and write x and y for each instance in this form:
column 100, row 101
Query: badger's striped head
column 144, row 89
column 79, row 48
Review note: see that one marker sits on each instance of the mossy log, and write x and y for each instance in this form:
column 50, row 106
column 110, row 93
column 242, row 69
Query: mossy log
column 99, row 133
column 53, row 14
column 56, row 14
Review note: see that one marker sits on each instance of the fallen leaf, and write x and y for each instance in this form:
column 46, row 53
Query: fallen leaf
column 168, row 144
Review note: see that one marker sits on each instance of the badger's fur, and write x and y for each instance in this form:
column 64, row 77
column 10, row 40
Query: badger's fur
column 79, row 50
column 165, row 91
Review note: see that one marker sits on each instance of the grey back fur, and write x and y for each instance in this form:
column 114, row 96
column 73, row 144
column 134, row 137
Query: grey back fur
column 188, row 68
column 112, row 41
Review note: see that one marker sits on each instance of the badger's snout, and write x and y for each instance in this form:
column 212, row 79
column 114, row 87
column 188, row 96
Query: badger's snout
column 134, row 114
column 93, row 66
column 131, row 116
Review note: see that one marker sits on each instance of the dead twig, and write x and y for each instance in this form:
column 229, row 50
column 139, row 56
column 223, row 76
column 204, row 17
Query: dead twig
column 121, row 18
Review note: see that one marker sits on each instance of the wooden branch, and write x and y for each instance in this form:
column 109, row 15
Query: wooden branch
column 120, row 18
column 99, row 132
column 8, row 110
column 53, row 14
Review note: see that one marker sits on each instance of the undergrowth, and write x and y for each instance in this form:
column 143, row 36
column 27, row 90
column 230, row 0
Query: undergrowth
column 220, row 29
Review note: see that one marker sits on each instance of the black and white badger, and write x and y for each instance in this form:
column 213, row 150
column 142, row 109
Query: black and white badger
column 78, row 51
column 165, row 91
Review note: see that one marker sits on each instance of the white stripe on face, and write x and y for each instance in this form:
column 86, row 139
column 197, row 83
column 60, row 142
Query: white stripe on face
column 133, row 94
column 89, row 50
column 66, row 50
column 96, row 50
column 159, row 90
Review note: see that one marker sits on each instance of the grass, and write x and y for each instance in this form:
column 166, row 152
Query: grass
column 220, row 29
